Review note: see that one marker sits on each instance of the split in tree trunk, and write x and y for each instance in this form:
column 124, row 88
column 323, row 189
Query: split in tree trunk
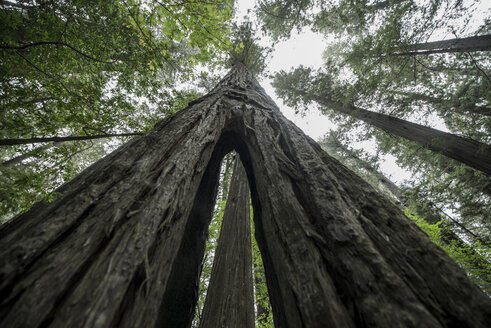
column 123, row 244
column 230, row 298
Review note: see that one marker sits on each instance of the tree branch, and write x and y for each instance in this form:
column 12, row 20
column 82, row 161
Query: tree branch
column 11, row 142
column 53, row 43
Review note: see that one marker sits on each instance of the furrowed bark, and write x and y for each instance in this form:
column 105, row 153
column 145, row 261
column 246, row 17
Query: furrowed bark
column 471, row 152
column 230, row 298
column 123, row 243
column 431, row 216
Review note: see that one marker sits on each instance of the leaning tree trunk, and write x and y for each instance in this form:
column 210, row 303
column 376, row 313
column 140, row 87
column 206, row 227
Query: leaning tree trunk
column 470, row 44
column 19, row 159
column 122, row 245
column 230, row 297
column 471, row 152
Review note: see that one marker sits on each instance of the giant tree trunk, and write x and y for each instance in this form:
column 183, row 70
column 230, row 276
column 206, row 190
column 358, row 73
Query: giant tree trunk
column 123, row 243
column 333, row 145
column 471, row 152
column 230, row 298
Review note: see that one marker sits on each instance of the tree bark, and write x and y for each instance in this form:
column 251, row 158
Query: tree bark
column 122, row 245
column 471, row 152
column 430, row 215
column 333, row 144
column 11, row 142
column 230, row 298
column 470, row 44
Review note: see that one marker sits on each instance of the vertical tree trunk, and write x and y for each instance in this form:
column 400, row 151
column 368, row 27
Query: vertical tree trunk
column 473, row 153
column 230, row 298
column 123, row 243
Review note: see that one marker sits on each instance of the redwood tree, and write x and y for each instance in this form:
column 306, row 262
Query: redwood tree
column 123, row 243
column 230, row 297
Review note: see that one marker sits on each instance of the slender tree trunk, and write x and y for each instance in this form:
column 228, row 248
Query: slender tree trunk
column 230, row 298
column 19, row 159
column 122, row 245
column 481, row 110
column 11, row 142
column 379, row 5
column 473, row 153
column 470, row 44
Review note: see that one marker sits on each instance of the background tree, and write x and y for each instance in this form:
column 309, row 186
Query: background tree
column 230, row 296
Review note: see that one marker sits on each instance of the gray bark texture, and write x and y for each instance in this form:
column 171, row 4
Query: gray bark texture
column 123, row 243
column 471, row 152
column 230, row 297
